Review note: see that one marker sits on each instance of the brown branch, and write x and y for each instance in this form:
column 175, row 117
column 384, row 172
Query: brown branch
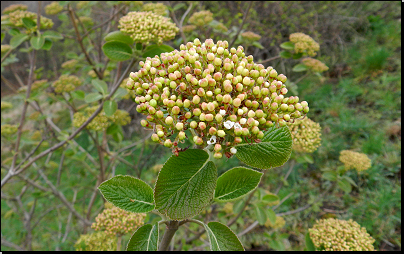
column 269, row 59
column 241, row 25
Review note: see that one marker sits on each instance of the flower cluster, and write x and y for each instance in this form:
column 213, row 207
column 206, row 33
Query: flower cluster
column 98, row 241
column 220, row 27
column 101, row 121
column 340, row 235
column 69, row 64
column 314, row 64
column 17, row 16
column 92, row 73
column 146, row 27
column 53, row 8
column 305, row 135
column 15, row 7
column 220, row 94
column 250, row 36
column 358, row 161
column 115, row 221
column 158, row 8
column 188, row 28
column 6, row 105
column 131, row 93
column 5, row 48
column 87, row 21
column 8, row 129
column 66, row 83
column 279, row 223
column 82, row 4
column 201, row 18
column 304, row 44
column 35, row 86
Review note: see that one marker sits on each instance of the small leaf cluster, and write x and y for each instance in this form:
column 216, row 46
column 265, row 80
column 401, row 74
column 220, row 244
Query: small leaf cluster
column 36, row 85
column 340, row 235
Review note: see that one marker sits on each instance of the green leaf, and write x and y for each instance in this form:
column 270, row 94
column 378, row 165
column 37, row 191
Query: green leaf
column 285, row 54
column 28, row 23
column 13, row 31
column 288, row 45
column 47, row 45
column 261, row 215
column 117, row 51
column 305, row 158
column 145, row 238
column 345, row 185
column 17, row 40
column 236, row 183
column 179, row 6
column 52, row 35
column 37, row 42
column 309, row 243
column 156, row 50
column 221, row 238
column 80, row 95
column 128, row 193
column 297, row 55
column 110, row 107
column 271, row 215
column 352, row 182
column 100, row 85
column 2, row 36
column 91, row 97
column 113, row 128
column 270, row 198
column 238, row 206
column 330, row 175
column 274, row 149
column 120, row 93
column 185, row 184
column 258, row 45
column 119, row 36
column 299, row 68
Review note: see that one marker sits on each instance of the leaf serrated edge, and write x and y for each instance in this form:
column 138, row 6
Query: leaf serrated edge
column 125, row 176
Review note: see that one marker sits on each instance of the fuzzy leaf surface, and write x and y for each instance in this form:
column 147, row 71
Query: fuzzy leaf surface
column 145, row 238
column 221, row 238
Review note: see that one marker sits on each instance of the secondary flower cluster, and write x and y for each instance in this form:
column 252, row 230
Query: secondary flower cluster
column 98, row 241
column 16, row 17
column 304, row 44
column 66, row 83
column 201, row 18
column 314, row 64
column 279, row 223
column 158, row 8
column 146, row 27
column 82, row 4
column 358, row 161
column 53, row 8
column 69, row 64
column 218, row 93
column 5, row 48
column 15, row 7
column 101, row 122
column 116, row 221
column 8, row 129
column 35, row 85
column 188, row 28
column 340, row 235
column 305, row 135
column 250, row 36
column 219, row 26
column 6, row 105
column 87, row 21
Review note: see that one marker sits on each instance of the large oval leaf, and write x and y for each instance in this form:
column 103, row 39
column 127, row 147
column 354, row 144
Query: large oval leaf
column 128, row 193
column 110, row 107
column 156, row 50
column 52, row 35
column 119, row 36
column 288, row 45
column 185, row 184
column 274, row 149
column 91, row 97
column 37, row 42
column 28, row 23
column 221, row 238
column 145, row 238
column 236, row 183
column 261, row 215
column 299, row 68
column 17, row 40
column 117, row 51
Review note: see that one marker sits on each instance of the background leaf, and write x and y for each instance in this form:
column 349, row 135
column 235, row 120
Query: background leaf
column 17, row 40
column 153, row 50
column 273, row 150
column 288, row 45
column 270, row 198
column 110, row 107
column 271, row 215
column 261, row 215
column 299, row 68
column 309, row 243
column 47, row 45
column 100, row 85
column 91, row 97
column 37, row 42
column 329, row 175
column 221, row 238
column 119, row 36
column 117, row 51
column 128, row 193
column 78, row 94
column 345, row 185
column 285, row 54
column 236, row 183
column 185, row 184
column 28, row 23
column 52, row 35
column 145, row 238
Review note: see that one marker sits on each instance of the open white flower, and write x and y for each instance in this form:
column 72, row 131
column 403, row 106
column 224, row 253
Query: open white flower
column 222, row 112
column 237, row 126
column 228, row 124
column 233, row 150
column 212, row 140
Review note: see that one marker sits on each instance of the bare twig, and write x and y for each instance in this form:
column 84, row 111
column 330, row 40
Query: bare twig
column 172, row 14
column 11, row 245
column 268, row 60
column 241, row 25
